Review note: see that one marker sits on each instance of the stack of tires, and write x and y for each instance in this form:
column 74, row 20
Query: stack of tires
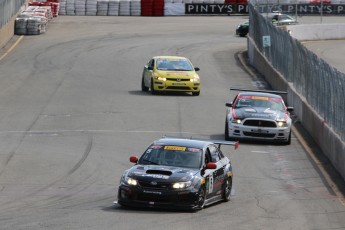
column 158, row 8
column 152, row 7
column 91, row 8
column 80, row 7
column 135, row 8
column 113, row 7
column 33, row 21
column 102, row 7
column 125, row 8
column 146, row 7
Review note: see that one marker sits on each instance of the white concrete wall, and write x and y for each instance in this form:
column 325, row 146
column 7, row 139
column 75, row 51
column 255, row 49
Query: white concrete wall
column 310, row 32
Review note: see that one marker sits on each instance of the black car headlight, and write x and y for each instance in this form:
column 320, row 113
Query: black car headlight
column 129, row 181
column 181, row 185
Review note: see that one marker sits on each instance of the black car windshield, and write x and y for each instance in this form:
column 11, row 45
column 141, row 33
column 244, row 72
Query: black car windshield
column 174, row 65
column 179, row 156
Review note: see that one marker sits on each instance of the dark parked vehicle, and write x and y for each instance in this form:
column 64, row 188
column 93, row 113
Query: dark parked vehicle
column 242, row 29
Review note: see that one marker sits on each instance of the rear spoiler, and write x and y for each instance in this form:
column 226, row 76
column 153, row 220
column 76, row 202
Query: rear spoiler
column 217, row 142
column 221, row 142
column 259, row 91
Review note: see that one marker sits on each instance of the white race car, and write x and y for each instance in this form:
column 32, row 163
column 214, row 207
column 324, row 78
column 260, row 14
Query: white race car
column 258, row 115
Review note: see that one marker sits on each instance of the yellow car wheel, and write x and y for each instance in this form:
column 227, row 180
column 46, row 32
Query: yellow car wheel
column 143, row 87
column 153, row 91
column 196, row 93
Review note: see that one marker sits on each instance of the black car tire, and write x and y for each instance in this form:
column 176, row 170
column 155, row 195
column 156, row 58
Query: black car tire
column 201, row 198
column 196, row 93
column 288, row 142
column 227, row 189
column 143, row 87
column 226, row 132
column 152, row 89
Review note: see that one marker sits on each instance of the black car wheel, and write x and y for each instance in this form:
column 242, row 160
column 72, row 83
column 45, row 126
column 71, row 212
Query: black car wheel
column 226, row 132
column 288, row 142
column 152, row 89
column 143, row 87
column 201, row 198
column 196, row 93
column 227, row 189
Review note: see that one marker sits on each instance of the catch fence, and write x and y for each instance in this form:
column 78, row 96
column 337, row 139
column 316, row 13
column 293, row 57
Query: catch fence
column 322, row 85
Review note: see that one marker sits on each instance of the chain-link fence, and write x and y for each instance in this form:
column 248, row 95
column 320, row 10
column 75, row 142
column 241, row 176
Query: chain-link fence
column 9, row 8
column 322, row 85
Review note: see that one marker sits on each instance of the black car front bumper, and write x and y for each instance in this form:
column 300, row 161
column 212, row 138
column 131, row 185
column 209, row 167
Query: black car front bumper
column 169, row 199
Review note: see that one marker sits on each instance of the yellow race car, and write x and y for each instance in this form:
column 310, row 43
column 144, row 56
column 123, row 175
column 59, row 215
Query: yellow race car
column 170, row 73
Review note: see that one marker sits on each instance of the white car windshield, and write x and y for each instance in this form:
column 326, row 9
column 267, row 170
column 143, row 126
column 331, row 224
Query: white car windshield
column 263, row 103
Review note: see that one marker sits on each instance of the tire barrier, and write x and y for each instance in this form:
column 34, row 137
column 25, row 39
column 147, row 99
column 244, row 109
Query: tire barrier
column 126, row 7
column 34, row 20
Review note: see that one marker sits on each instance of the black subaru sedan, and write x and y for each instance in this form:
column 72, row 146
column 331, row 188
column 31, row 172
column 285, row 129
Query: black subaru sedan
column 178, row 173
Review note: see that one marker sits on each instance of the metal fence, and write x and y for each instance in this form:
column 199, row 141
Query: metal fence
column 8, row 8
column 322, row 85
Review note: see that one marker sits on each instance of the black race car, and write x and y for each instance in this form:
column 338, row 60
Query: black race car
column 178, row 173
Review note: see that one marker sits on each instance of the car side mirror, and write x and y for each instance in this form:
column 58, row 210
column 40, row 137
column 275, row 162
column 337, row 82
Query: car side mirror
column 196, row 68
column 133, row 159
column 228, row 104
column 150, row 68
column 211, row 165
column 290, row 109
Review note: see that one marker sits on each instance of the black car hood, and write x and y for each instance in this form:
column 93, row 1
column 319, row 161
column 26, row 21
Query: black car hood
column 259, row 112
column 161, row 173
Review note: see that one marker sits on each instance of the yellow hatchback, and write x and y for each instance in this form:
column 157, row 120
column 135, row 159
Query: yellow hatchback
column 170, row 73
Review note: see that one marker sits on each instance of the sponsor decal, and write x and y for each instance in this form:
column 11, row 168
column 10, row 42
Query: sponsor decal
column 300, row 9
column 152, row 192
column 156, row 176
column 195, row 150
column 216, row 8
column 259, row 98
column 304, row 9
column 176, row 148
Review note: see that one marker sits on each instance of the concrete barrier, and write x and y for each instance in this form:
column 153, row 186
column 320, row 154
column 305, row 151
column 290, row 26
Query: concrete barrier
column 312, row 32
column 7, row 31
column 329, row 142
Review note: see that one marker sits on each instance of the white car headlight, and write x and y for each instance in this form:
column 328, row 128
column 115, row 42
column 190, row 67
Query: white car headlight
column 236, row 121
column 182, row 185
column 282, row 124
